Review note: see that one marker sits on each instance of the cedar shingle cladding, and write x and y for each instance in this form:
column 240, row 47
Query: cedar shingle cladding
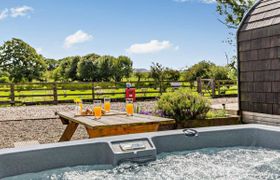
column 259, row 59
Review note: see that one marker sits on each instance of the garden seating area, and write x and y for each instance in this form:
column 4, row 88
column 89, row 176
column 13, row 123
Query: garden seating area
column 39, row 123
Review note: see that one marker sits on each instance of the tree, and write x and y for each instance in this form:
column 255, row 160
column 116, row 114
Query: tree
column 52, row 64
column 71, row 71
column 61, row 70
column 56, row 74
column 91, row 56
column 219, row 72
column 4, row 77
column 172, row 75
column 67, row 69
column 21, row 61
column 232, row 74
column 157, row 72
column 200, row 69
column 140, row 75
column 87, row 70
column 233, row 11
column 122, row 68
column 105, row 66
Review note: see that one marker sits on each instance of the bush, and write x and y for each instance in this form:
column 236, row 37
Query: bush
column 183, row 105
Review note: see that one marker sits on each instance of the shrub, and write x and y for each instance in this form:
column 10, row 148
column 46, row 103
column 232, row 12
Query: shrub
column 183, row 105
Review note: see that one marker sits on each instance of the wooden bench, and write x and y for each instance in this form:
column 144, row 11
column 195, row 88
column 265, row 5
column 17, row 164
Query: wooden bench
column 110, row 125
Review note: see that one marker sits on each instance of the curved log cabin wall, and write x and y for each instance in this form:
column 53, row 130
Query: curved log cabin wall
column 258, row 40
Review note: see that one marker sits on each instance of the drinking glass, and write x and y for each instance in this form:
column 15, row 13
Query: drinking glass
column 107, row 104
column 129, row 106
column 79, row 106
column 97, row 109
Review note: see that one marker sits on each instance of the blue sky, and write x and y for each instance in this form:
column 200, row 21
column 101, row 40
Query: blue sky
column 175, row 33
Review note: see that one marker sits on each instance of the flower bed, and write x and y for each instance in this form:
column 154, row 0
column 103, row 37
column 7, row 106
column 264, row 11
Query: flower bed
column 189, row 109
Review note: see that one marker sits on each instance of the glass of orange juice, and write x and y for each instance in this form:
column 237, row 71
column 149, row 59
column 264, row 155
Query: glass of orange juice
column 79, row 106
column 97, row 109
column 107, row 104
column 129, row 107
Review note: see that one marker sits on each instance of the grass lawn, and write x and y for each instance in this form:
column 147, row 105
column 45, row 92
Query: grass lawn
column 34, row 93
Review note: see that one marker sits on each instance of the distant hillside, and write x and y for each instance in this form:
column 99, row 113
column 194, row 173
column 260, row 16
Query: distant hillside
column 140, row 70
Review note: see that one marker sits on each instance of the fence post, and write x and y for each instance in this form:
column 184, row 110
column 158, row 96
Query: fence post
column 93, row 91
column 55, row 101
column 199, row 87
column 12, row 94
column 213, row 87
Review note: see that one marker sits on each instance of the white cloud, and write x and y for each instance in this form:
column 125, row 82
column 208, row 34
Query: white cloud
column 77, row 37
column 4, row 14
column 149, row 47
column 15, row 12
column 20, row 11
column 201, row 1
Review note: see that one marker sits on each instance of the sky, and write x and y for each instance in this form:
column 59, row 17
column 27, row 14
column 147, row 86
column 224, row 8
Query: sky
column 175, row 33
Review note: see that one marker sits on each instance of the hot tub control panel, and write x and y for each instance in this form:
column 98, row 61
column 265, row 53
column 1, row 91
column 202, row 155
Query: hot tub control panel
column 137, row 150
column 132, row 146
column 128, row 146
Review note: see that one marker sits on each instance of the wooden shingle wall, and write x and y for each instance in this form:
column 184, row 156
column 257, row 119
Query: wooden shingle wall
column 259, row 59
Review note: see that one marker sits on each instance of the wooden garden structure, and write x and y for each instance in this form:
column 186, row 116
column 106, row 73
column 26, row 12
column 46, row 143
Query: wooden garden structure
column 258, row 41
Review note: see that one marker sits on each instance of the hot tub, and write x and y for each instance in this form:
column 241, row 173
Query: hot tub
column 148, row 148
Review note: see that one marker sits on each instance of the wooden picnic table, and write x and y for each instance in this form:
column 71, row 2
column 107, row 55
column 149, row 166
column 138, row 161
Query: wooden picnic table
column 110, row 125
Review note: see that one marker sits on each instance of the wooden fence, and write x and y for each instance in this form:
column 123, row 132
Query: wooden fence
column 65, row 92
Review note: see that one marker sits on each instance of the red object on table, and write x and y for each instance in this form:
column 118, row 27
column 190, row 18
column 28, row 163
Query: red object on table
column 130, row 93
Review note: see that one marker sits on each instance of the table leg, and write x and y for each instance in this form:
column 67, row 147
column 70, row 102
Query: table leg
column 69, row 131
column 64, row 121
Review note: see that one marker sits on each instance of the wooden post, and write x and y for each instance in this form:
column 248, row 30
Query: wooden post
column 199, row 85
column 213, row 87
column 55, row 101
column 12, row 94
column 93, row 91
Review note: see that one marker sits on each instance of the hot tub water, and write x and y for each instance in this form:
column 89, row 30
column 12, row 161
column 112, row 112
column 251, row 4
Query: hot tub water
column 210, row 163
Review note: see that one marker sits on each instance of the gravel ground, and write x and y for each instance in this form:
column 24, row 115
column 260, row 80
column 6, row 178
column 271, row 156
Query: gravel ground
column 22, row 124
column 47, row 112
column 44, row 131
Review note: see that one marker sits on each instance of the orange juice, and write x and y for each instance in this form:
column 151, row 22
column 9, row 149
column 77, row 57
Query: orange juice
column 80, row 107
column 97, row 112
column 107, row 106
column 129, row 109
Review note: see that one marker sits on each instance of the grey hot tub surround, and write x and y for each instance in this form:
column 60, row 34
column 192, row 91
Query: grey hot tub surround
column 137, row 147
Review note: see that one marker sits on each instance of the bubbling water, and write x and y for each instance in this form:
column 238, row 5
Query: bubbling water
column 210, row 163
